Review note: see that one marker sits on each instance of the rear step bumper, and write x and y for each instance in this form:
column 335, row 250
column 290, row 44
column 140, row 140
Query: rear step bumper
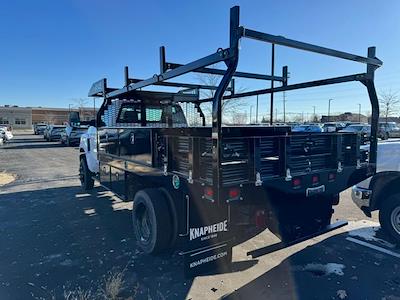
column 278, row 246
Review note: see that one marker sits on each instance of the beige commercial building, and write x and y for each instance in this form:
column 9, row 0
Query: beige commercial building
column 25, row 117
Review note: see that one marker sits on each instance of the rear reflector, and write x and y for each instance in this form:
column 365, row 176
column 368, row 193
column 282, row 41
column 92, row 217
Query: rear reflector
column 260, row 219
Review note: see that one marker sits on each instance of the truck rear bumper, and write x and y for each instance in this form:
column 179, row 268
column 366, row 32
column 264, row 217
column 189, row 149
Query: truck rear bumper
column 361, row 197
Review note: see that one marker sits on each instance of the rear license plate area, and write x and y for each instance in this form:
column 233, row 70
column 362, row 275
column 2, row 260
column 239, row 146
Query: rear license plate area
column 315, row 190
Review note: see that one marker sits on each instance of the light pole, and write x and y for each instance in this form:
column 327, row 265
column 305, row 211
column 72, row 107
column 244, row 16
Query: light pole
column 329, row 109
column 359, row 112
column 314, row 117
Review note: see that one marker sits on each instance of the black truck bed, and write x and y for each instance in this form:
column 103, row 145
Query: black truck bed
column 249, row 153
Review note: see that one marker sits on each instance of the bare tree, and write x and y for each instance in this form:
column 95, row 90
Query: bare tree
column 230, row 107
column 298, row 118
column 315, row 118
column 388, row 101
column 49, row 117
column 239, row 118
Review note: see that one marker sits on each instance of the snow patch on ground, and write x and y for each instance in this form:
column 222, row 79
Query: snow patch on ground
column 369, row 234
column 322, row 270
column 6, row 178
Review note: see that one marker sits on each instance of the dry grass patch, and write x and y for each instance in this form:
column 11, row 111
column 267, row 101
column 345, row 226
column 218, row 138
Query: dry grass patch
column 113, row 285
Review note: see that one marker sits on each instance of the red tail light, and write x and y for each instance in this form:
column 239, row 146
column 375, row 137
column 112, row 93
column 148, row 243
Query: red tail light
column 331, row 176
column 234, row 193
column 296, row 182
column 208, row 192
column 315, row 179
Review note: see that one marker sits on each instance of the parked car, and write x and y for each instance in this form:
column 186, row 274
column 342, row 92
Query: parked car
column 54, row 132
column 72, row 135
column 46, row 131
column 365, row 131
column 307, row 128
column 333, row 126
column 381, row 191
column 39, row 128
column 2, row 137
column 389, row 130
column 6, row 134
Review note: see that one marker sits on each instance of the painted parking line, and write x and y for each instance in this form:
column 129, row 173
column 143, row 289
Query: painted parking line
column 377, row 248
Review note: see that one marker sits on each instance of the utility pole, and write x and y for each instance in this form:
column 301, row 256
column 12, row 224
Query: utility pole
column 359, row 112
column 257, row 111
column 329, row 109
column 284, row 107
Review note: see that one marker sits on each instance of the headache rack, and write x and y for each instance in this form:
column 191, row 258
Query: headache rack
column 213, row 164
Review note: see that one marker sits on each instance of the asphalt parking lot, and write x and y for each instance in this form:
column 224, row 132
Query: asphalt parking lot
column 58, row 242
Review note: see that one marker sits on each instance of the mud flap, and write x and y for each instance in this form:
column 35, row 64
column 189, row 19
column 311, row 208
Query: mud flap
column 208, row 240
column 214, row 259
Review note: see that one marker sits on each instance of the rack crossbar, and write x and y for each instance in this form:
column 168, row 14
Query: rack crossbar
column 280, row 40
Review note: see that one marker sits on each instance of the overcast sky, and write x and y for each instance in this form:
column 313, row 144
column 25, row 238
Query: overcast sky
column 52, row 51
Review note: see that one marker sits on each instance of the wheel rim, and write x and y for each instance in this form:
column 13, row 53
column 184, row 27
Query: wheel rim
column 143, row 225
column 395, row 219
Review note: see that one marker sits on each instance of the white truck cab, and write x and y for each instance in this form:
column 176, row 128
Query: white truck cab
column 88, row 145
column 382, row 191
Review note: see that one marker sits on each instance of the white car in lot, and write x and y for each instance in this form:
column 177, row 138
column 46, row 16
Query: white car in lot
column 382, row 191
column 6, row 134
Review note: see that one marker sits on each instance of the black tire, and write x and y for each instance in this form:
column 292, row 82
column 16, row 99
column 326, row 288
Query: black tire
column 389, row 216
column 152, row 222
column 85, row 176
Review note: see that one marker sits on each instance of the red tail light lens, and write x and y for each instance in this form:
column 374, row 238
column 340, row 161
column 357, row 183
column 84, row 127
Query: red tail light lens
column 315, row 179
column 296, row 182
column 331, row 176
column 208, row 192
column 234, row 193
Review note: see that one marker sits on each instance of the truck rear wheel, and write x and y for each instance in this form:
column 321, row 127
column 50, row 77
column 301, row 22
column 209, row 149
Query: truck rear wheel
column 389, row 216
column 85, row 176
column 152, row 222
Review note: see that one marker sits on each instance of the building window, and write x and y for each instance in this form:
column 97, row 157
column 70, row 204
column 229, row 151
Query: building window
column 4, row 121
column 20, row 121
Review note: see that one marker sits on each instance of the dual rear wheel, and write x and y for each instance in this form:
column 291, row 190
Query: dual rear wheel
column 152, row 221
column 151, row 215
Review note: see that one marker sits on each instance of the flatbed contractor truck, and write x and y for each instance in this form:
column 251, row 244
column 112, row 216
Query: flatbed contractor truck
column 197, row 188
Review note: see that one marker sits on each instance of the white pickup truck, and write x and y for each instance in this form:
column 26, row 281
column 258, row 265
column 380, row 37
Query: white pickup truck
column 382, row 191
